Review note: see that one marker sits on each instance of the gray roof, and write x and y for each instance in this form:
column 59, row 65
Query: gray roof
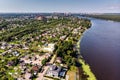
column 55, row 68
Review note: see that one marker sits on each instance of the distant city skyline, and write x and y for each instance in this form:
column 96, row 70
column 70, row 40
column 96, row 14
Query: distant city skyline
column 62, row 6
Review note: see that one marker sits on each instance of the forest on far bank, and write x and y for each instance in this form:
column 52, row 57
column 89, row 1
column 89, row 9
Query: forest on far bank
column 113, row 17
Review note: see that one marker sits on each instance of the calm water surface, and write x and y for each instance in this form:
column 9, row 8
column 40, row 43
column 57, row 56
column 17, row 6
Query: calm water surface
column 100, row 47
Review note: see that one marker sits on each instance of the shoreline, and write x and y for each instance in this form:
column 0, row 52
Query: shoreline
column 86, row 67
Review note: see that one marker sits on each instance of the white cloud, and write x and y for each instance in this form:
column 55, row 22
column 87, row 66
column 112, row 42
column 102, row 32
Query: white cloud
column 113, row 7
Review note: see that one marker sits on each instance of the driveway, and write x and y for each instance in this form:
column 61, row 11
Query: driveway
column 41, row 75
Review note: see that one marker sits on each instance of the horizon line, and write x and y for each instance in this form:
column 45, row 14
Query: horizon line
column 60, row 12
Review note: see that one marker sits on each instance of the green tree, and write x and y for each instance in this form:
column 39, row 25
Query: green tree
column 44, row 61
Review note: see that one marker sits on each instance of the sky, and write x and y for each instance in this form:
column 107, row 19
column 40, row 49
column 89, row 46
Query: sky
column 73, row 6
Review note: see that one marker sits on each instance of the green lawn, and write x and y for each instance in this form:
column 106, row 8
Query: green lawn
column 1, row 50
column 87, row 70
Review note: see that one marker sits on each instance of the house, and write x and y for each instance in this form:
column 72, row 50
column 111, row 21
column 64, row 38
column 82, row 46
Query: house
column 15, row 53
column 49, row 47
column 26, row 48
column 63, row 37
column 59, row 60
column 10, row 63
column 41, row 18
column 47, row 55
column 10, row 51
column 54, row 71
column 48, row 17
column 55, row 17
column 75, row 31
column 10, row 46
column 4, row 53
column 35, row 69
column 4, row 45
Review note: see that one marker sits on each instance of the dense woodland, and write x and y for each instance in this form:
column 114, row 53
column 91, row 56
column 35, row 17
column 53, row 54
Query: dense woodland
column 107, row 17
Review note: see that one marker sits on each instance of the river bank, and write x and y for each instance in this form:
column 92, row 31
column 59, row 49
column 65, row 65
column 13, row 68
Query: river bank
column 85, row 67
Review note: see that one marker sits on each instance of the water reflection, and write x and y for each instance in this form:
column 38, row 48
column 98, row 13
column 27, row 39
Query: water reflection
column 100, row 47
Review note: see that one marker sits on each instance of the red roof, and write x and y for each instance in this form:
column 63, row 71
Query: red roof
column 35, row 68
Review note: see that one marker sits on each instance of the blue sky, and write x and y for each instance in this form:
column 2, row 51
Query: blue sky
column 75, row 6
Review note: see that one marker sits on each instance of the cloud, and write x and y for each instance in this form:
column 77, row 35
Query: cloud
column 113, row 7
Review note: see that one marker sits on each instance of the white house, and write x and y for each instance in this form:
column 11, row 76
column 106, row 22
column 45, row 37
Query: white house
column 49, row 47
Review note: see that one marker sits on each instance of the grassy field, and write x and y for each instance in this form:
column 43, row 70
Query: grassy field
column 1, row 50
column 87, row 70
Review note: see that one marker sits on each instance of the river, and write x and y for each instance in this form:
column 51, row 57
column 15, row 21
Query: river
column 100, row 47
